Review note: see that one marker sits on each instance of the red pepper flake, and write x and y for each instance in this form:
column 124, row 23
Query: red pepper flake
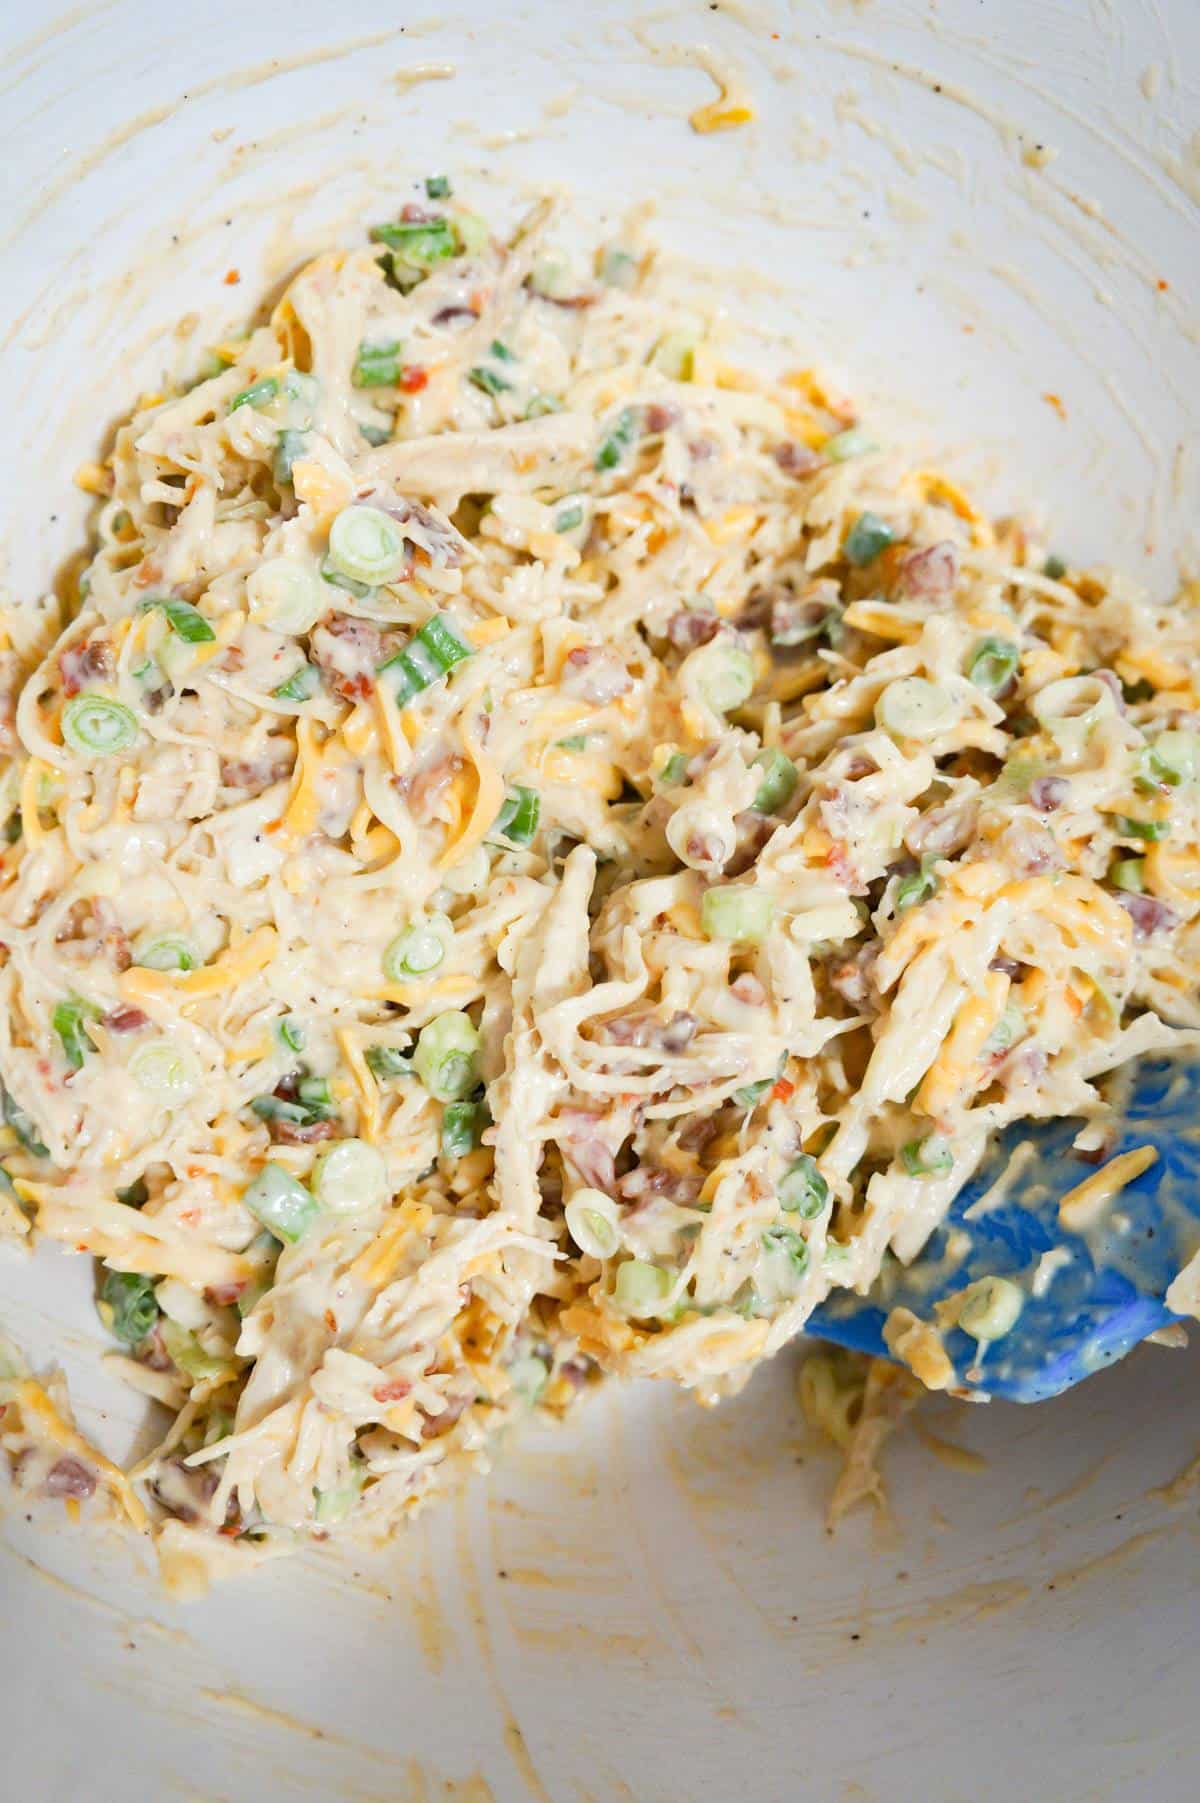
column 783, row 1091
column 232, row 278
column 1162, row 285
column 413, row 378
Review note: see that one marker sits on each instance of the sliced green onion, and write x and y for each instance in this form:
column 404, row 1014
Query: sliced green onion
column 289, row 446
column 1006, row 1032
column 290, row 1033
column 336, row 579
column 793, row 1246
column 918, row 887
column 419, row 243
column 384, row 1061
column 751, row 1094
column 992, row 665
column 437, row 187
column 990, row 1308
column 349, row 1175
column 94, row 723
column 22, row 1125
column 128, row 1306
column 487, row 379
column 1175, row 757
column 541, row 404
column 67, row 1021
column 1128, row 874
column 615, row 447
column 377, row 365
column 374, row 435
column 778, row 783
column 739, row 914
column 594, row 1223
column 1075, row 702
column 914, row 708
column 618, row 268
column 931, row 1157
column 332, row 1506
column 462, row 1124
column 1055, row 568
column 165, row 951
column 419, row 949
column 577, row 742
column 675, row 356
column 429, row 655
column 305, row 391
column 1150, row 831
column 568, row 519
column 367, row 545
column 674, row 770
column 281, row 1202
column 285, row 594
column 802, row 1189
column 868, row 536
column 726, row 676
column 518, row 819
column 185, row 621
column 257, row 394
column 135, row 1194
column 301, row 685
column 185, row 1351
column 168, row 1073
column 641, row 1288
column 854, row 442
column 447, row 1056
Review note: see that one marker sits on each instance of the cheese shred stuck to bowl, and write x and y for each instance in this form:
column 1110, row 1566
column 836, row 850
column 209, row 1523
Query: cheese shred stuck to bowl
column 536, row 853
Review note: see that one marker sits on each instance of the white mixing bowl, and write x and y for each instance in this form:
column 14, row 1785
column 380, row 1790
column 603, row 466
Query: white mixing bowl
column 985, row 217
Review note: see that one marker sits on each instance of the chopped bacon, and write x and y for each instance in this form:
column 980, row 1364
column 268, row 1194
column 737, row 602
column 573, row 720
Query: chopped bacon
column 928, row 575
column 70, row 1477
column 797, row 460
column 423, row 789
column 90, row 929
column 348, row 652
column 854, row 978
column 660, row 416
column 80, row 665
column 650, row 1183
column 753, row 831
column 224, row 1295
column 394, row 1390
column 692, row 626
column 595, row 674
column 584, row 1140
column 448, row 315
column 748, row 989
column 254, row 774
column 572, row 302
column 943, row 830
column 125, row 1020
column 297, row 1133
column 1148, row 914
column 1046, row 793
column 649, row 1030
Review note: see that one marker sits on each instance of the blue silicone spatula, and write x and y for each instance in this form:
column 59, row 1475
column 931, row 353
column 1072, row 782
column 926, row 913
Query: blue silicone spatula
column 1103, row 1288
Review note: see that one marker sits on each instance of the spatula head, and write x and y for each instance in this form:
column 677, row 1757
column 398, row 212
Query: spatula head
column 1100, row 1291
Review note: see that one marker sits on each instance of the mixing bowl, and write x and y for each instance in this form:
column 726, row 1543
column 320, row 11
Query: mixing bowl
column 985, row 220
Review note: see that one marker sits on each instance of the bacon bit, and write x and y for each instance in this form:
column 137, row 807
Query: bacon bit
column 693, row 626
column 82, row 664
column 231, row 278
column 147, row 573
column 1055, row 401
column 783, row 1091
column 797, row 460
column 125, row 1020
column 413, row 378
column 292, row 1133
column 928, row 575
column 224, row 1295
column 394, row 1390
column 71, row 1478
column 446, row 315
